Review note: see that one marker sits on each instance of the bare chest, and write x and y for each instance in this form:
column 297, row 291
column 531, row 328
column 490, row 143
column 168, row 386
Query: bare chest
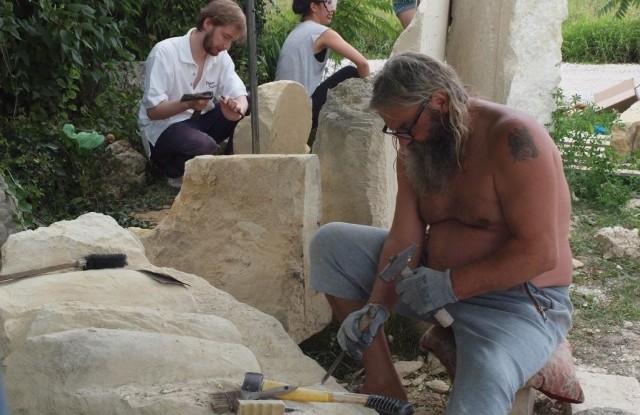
column 470, row 199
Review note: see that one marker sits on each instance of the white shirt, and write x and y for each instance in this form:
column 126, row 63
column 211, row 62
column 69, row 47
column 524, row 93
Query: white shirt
column 169, row 73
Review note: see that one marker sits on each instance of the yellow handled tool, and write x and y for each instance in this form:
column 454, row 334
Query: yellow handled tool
column 256, row 387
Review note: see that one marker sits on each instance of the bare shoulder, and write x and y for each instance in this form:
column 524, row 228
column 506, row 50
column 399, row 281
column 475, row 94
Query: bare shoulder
column 513, row 132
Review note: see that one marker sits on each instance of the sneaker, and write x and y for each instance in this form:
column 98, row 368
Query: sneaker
column 174, row 182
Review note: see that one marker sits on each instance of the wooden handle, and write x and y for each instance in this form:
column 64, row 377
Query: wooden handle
column 313, row 395
column 37, row 271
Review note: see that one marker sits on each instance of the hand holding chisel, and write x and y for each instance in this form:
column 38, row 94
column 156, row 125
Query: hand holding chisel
column 423, row 289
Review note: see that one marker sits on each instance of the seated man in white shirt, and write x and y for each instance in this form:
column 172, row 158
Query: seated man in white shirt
column 175, row 130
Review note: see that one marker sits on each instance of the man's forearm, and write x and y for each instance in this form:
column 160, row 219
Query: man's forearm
column 167, row 109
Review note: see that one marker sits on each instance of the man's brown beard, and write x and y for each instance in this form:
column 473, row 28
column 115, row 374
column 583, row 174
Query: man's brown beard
column 207, row 42
column 431, row 164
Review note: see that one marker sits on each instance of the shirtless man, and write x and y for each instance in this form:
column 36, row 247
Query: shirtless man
column 481, row 191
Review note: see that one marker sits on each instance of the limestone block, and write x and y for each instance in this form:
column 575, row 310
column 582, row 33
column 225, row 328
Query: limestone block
column 427, row 32
column 619, row 242
column 114, row 341
column 8, row 213
column 284, row 109
column 92, row 233
column 631, row 115
column 244, row 223
column 509, row 51
column 626, row 138
column 608, row 391
column 356, row 159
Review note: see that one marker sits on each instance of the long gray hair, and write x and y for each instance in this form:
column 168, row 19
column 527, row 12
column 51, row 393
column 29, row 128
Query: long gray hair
column 407, row 79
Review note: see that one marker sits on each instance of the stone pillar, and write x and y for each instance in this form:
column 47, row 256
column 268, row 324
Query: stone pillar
column 357, row 161
column 509, row 51
column 427, row 32
column 243, row 223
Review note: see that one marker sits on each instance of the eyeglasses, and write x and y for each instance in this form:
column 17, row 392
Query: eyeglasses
column 408, row 135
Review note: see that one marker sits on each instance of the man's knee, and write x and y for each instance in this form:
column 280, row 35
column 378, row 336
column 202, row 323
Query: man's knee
column 326, row 237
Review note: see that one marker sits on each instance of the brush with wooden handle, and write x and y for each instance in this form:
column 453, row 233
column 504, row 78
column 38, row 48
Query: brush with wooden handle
column 227, row 401
column 92, row 261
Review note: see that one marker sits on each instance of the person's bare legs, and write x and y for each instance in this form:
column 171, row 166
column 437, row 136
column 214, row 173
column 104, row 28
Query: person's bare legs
column 406, row 17
column 381, row 377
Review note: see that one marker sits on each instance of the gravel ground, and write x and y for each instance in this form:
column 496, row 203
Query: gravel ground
column 585, row 80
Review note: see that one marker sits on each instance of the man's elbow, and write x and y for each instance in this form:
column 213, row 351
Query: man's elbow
column 363, row 68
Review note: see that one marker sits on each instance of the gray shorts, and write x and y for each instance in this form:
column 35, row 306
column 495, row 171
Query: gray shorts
column 502, row 339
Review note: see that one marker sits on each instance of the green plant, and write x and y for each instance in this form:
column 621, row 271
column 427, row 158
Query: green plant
column 73, row 41
column 591, row 36
column 590, row 164
column 369, row 25
column 622, row 7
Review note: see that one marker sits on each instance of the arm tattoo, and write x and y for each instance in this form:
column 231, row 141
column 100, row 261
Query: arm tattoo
column 522, row 145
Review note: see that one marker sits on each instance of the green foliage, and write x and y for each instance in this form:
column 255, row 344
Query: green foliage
column 621, row 7
column 592, row 36
column 368, row 25
column 74, row 41
column 606, row 40
column 590, row 164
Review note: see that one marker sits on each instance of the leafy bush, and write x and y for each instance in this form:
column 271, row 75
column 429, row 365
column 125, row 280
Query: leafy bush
column 590, row 164
column 606, row 40
column 593, row 34
column 368, row 25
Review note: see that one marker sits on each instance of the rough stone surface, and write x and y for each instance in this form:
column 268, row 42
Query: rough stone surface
column 8, row 213
column 129, row 165
column 427, row 32
column 114, row 341
column 509, row 52
column 626, row 139
column 619, row 241
column 609, row 391
column 356, row 159
column 604, row 411
column 285, row 120
column 244, row 223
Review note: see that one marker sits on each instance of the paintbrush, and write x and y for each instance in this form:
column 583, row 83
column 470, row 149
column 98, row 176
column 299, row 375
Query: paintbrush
column 225, row 402
column 92, row 261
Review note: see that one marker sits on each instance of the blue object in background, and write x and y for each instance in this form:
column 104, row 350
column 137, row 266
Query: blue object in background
column 600, row 130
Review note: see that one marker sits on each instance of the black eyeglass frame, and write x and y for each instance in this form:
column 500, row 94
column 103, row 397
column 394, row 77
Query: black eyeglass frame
column 408, row 135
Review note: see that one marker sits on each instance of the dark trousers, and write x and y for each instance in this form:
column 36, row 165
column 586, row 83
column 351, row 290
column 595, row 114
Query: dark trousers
column 186, row 139
column 319, row 96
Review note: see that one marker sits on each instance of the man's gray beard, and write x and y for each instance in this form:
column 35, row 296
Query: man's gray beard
column 430, row 165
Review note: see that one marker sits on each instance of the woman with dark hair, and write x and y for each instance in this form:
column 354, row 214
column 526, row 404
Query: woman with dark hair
column 305, row 53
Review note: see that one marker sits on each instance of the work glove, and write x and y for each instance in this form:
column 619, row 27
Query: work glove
column 426, row 291
column 360, row 327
